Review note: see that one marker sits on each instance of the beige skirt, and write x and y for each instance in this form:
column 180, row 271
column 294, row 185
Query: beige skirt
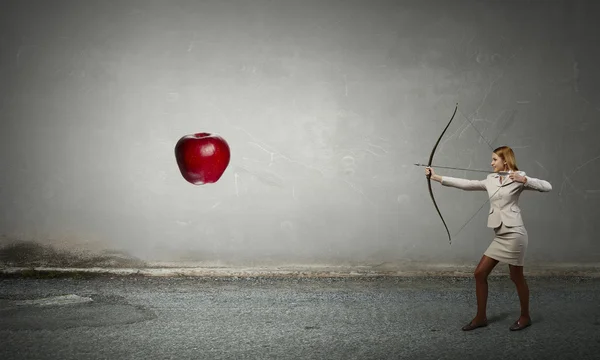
column 509, row 245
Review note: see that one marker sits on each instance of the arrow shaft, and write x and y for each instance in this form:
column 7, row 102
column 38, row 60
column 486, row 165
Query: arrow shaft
column 501, row 173
column 454, row 168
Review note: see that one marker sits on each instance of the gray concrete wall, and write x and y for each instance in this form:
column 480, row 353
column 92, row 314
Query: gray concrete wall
column 326, row 105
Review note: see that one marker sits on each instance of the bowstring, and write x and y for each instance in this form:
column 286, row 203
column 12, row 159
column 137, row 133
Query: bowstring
column 490, row 198
column 477, row 212
column 480, row 134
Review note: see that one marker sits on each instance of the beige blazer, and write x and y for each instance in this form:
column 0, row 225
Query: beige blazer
column 504, row 201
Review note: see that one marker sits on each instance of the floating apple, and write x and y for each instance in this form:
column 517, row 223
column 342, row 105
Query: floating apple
column 202, row 158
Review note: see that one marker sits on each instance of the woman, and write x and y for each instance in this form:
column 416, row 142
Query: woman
column 504, row 186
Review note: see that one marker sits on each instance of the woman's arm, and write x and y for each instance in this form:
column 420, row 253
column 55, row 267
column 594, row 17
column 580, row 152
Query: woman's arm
column 531, row 183
column 463, row 184
column 537, row 184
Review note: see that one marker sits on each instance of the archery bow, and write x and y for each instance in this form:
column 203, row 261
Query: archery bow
column 429, row 176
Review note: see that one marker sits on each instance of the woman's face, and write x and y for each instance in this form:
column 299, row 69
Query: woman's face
column 497, row 163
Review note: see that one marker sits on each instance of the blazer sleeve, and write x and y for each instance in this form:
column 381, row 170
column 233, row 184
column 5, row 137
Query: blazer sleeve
column 463, row 184
column 537, row 184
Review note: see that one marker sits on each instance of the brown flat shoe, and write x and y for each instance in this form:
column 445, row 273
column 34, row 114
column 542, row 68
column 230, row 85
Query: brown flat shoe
column 470, row 326
column 518, row 326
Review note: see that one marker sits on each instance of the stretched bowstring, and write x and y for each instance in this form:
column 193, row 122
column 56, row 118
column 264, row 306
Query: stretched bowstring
column 490, row 198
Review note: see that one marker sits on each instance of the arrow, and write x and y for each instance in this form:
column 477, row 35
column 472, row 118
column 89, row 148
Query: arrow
column 447, row 167
column 501, row 173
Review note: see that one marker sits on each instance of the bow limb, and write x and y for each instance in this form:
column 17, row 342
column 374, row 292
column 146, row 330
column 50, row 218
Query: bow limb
column 438, row 209
column 429, row 177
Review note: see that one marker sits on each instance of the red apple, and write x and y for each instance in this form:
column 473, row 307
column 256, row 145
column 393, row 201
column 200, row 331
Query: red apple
column 202, row 158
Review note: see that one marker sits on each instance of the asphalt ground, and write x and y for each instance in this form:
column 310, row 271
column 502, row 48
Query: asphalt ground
column 140, row 317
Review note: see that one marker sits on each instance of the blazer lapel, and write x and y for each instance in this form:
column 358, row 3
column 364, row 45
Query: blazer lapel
column 505, row 181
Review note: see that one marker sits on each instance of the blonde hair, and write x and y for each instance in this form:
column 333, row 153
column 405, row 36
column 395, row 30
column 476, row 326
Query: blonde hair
column 507, row 154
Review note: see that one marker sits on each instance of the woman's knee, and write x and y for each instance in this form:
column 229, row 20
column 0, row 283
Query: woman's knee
column 481, row 274
column 485, row 267
column 516, row 274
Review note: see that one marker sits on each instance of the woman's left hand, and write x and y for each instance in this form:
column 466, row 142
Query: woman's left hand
column 518, row 178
